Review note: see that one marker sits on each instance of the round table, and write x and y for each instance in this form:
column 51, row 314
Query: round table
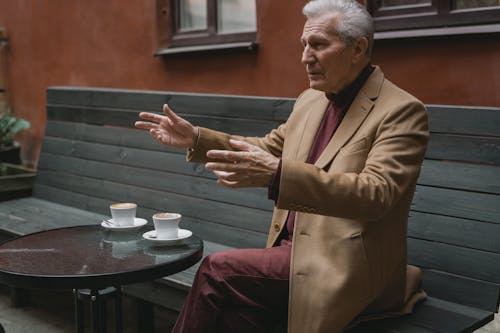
column 90, row 260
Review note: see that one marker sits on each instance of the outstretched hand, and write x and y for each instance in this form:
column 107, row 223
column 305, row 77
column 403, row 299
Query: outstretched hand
column 248, row 166
column 169, row 129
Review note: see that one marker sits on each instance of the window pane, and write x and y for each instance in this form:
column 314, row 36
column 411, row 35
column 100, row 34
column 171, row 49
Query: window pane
column 193, row 15
column 390, row 3
column 471, row 4
column 236, row 16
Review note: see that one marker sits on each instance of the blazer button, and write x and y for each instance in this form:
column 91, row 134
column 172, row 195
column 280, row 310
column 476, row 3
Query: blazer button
column 276, row 227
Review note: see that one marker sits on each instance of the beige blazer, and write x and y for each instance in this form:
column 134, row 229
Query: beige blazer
column 349, row 242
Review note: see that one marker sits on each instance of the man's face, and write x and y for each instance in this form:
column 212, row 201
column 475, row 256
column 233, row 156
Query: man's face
column 328, row 60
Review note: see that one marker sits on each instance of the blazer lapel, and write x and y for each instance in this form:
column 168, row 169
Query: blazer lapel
column 360, row 108
column 315, row 115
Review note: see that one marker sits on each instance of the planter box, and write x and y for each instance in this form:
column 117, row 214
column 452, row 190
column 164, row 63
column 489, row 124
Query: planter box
column 16, row 181
column 10, row 154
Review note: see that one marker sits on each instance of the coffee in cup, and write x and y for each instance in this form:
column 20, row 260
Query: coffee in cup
column 123, row 213
column 167, row 225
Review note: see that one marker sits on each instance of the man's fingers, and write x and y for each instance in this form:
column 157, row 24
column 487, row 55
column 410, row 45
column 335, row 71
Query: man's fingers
column 154, row 117
column 229, row 167
column 229, row 179
column 170, row 114
column 228, row 155
column 224, row 174
column 145, row 125
column 227, row 183
column 153, row 120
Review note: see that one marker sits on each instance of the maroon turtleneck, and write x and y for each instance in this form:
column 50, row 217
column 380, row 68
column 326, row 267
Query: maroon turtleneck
column 337, row 108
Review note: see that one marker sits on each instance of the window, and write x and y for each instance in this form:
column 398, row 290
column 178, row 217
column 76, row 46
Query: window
column 200, row 25
column 455, row 15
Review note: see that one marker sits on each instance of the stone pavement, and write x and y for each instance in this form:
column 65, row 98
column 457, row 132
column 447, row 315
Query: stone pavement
column 52, row 312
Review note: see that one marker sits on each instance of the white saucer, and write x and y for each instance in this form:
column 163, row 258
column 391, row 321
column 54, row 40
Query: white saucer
column 151, row 236
column 138, row 222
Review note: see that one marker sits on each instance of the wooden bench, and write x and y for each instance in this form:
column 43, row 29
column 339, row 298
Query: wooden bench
column 92, row 156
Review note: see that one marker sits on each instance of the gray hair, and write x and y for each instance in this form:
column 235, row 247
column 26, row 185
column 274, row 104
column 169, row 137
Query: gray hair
column 354, row 20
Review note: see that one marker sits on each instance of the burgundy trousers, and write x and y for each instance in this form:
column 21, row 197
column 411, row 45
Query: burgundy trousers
column 238, row 291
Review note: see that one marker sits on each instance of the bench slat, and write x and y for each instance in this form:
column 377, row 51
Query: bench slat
column 464, row 148
column 473, row 177
column 455, row 260
column 117, row 136
column 247, row 127
column 462, row 290
column 244, row 127
column 432, row 315
column 162, row 181
column 162, row 161
column 248, row 218
column 461, row 204
column 28, row 215
column 388, row 326
column 271, row 108
column 224, row 234
column 461, row 232
column 444, row 316
column 210, row 230
column 462, row 119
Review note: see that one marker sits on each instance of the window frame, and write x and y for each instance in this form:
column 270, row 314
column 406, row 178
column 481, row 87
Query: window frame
column 173, row 40
column 437, row 14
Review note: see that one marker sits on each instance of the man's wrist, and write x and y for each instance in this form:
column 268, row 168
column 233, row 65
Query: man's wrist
column 273, row 190
column 196, row 136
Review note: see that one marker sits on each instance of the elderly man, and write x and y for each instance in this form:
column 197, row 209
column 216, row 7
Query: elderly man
column 342, row 171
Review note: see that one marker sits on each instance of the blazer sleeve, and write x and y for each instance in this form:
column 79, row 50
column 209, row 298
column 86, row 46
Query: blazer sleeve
column 209, row 139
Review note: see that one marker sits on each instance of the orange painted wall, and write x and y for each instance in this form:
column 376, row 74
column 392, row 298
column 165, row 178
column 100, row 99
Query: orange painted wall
column 460, row 70
column 111, row 43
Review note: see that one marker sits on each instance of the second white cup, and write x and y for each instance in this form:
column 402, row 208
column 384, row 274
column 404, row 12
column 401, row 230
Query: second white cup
column 167, row 225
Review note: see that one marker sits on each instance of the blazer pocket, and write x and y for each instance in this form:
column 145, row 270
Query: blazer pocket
column 354, row 147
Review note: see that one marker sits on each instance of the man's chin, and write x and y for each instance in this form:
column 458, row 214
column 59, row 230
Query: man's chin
column 317, row 86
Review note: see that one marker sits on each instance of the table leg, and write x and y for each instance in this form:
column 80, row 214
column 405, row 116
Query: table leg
column 98, row 310
column 78, row 312
column 145, row 316
column 103, row 316
column 118, row 310
column 94, row 310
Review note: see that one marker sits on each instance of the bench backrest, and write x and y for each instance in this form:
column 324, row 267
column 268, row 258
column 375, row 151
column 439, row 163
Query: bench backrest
column 92, row 156
column 454, row 225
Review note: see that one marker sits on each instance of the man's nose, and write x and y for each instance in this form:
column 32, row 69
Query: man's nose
column 307, row 56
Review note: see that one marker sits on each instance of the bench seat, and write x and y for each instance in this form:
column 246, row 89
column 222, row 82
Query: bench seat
column 28, row 215
column 92, row 156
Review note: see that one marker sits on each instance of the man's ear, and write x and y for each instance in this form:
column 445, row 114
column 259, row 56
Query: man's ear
column 360, row 49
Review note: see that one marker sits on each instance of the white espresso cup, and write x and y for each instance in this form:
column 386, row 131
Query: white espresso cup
column 167, row 225
column 123, row 213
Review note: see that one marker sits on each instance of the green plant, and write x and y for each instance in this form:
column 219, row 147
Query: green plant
column 10, row 126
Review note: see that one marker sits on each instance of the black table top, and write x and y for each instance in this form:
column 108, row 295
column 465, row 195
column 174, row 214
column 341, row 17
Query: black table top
column 91, row 257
